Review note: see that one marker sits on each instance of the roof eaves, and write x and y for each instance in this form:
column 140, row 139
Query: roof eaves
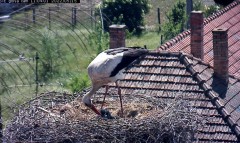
column 211, row 95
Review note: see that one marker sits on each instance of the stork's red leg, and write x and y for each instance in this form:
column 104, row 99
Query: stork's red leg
column 120, row 96
column 106, row 90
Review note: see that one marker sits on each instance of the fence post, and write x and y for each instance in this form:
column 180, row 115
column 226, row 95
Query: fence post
column 1, row 126
column 189, row 9
column 36, row 73
column 91, row 12
column 25, row 19
column 159, row 20
column 34, row 15
column 49, row 18
column 74, row 16
column 161, row 40
column 91, row 18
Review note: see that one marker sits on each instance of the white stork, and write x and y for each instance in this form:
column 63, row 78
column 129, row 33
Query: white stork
column 108, row 67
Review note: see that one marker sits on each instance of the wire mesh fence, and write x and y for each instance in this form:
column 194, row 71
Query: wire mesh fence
column 42, row 47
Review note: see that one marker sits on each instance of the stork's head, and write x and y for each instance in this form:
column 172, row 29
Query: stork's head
column 87, row 101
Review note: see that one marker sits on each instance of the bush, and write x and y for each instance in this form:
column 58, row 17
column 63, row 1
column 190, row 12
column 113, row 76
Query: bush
column 128, row 12
column 50, row 55
column 207, row 10
column 78, row 83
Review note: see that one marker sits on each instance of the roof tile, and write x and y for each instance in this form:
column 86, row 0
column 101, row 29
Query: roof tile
column 163, row 74
column 228, row 17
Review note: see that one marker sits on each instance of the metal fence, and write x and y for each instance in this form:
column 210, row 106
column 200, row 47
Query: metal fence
column 26, row 40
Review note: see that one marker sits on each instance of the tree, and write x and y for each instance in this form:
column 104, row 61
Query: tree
column 176, row 21
column 223, row 2
column 128, row 12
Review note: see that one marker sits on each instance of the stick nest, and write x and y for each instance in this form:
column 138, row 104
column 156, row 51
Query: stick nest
column 146, row 119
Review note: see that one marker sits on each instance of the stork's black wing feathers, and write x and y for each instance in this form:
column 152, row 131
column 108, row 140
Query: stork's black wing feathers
column 115, row 51
column 129, row 55
column 120, row 50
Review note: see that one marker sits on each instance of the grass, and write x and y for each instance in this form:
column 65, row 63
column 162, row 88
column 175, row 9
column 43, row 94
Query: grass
column 165, row 5
column 150, row 39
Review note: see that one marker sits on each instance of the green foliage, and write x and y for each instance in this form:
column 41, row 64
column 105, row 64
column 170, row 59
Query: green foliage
column 177, row 18
column 78, row 83
column 50, row 55
column 207, row 10
column 150, row 39
column 128, row 12
column 99, row 39
column 176, row 21
column 198, row 5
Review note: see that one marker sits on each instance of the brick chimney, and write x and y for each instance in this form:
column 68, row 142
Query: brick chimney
column 220, row 53
column 117, row 36
column 196, row 25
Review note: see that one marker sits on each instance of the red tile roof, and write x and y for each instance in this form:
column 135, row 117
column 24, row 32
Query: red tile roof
column 229, row 17
column 163, row 74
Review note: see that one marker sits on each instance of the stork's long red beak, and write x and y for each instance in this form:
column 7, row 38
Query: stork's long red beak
column 95, row 109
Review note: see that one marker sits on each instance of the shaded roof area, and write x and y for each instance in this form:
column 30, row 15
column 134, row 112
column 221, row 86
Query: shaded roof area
column 229, row 17
column 169, row 74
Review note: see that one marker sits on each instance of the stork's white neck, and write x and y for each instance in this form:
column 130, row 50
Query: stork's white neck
column 87, row 97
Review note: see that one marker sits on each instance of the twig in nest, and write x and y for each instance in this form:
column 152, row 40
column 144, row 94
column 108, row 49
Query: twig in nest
column 46, row 111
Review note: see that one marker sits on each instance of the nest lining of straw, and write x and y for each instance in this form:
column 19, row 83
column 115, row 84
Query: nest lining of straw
column 145, row 119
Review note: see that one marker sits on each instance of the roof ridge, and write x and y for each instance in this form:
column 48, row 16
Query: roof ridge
column 175, row 40
column 211, row 95
column 221, row 12
column 186, row 33
column 164, row 52
column 207, row 64
column 198, row 60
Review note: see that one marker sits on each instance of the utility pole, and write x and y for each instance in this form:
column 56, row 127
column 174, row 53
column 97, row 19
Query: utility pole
column 1, row 125
column 36, row 73
column 189, row 9
column 159, row 20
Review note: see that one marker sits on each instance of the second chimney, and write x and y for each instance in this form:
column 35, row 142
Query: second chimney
column 196, row 24
column 220, row 53
column 117, row 36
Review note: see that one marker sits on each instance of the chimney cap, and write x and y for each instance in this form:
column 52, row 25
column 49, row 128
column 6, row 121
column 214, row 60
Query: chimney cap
column 197, row 12
column 220, row 30
column 117, row 26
